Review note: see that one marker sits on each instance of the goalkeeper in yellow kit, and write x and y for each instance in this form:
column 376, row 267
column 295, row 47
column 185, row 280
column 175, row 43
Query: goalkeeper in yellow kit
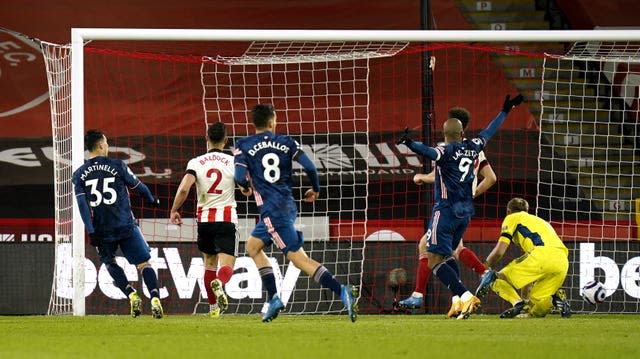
column 544, row 264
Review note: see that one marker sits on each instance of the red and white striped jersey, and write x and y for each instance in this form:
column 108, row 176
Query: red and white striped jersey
column 215, row 186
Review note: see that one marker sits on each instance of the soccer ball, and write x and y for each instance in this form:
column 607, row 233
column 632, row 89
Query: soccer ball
column 593, row 292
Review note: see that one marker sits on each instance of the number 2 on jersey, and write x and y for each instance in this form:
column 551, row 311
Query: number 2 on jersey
column 216, row 174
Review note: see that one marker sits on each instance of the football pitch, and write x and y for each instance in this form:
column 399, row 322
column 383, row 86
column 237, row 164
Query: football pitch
column 319, row 336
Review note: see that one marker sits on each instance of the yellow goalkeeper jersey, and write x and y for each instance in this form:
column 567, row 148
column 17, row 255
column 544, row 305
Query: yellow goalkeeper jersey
column 529, row 231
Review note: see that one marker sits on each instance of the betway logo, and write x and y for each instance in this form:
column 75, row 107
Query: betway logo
column 628, row 276
column 245, row 284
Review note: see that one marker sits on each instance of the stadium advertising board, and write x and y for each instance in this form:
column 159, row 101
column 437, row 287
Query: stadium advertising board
column 180, row 270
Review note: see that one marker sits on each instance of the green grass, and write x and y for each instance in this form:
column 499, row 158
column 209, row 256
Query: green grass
column 318, row 336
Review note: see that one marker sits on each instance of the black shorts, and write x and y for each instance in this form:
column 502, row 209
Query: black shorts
column 217, row 237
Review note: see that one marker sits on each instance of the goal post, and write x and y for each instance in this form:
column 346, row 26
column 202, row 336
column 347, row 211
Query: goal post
column 81, row 36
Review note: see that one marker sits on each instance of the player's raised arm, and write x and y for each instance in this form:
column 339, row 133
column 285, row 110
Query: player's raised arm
column 493, row 126
column 418, row 147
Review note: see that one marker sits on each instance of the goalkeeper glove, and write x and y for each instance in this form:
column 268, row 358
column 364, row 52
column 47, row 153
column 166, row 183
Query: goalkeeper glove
column 405, row 140
column 509, row 104
column 94, row 239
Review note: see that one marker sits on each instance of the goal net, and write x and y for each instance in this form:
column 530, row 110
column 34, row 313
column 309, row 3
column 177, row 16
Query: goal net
column 347, row 103
column 589, row 177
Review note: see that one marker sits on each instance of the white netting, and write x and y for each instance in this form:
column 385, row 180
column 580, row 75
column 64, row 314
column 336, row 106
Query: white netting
column 58, row 64
column 301, row 52
column 320, row 91
column 588, row 176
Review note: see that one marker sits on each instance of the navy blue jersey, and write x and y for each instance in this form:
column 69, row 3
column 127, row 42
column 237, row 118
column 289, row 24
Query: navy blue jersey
column 269, row 158
column 455, row 175
column 454, row 172
column 103, row 184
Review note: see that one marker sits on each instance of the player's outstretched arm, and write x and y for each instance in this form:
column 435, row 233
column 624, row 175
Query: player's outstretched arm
column 493, row 126
column 418, row 147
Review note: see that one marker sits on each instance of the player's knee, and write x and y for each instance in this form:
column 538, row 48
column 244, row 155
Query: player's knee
column 142, row 266
column 541, row 308
column 254, row 246
column 111, row 265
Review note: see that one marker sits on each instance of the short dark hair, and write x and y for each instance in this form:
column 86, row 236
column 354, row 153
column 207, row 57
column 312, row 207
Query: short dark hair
column 216, row 132
column 91, row 139
column 518, row 204
column 461, row 114
column 261, row 114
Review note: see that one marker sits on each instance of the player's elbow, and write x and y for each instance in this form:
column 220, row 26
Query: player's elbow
column 491, row 180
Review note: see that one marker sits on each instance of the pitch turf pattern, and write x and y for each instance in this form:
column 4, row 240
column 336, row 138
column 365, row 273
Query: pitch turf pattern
column 319, row 336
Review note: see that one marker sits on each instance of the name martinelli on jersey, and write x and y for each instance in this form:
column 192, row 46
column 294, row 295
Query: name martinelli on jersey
column 268, row 144
column 105, row 168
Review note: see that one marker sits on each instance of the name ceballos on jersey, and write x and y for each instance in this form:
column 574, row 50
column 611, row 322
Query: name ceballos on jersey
column 105, row 168
column 268, row 144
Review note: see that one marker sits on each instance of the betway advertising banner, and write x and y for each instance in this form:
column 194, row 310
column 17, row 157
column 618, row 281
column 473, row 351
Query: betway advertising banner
column 180, row 270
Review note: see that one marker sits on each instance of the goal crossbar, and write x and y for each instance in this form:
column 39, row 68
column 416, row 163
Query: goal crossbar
column 80, row 36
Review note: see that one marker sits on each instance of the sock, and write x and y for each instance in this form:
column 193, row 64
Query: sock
column 268, row 281
column 209, row 275
column 471, row 260
column 224, row 274
column 129, row 290
column 323, row 276
column 448, row 277
column 453, row 263
column 466, row 296
column 506, row 291
column 119, row 278
column 151, row 280
column 422, row 274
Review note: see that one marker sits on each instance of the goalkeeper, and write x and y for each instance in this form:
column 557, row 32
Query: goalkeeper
column 544, row 263
column 453, row 205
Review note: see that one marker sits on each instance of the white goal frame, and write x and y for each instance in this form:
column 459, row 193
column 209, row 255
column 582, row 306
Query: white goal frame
column 79, row 36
